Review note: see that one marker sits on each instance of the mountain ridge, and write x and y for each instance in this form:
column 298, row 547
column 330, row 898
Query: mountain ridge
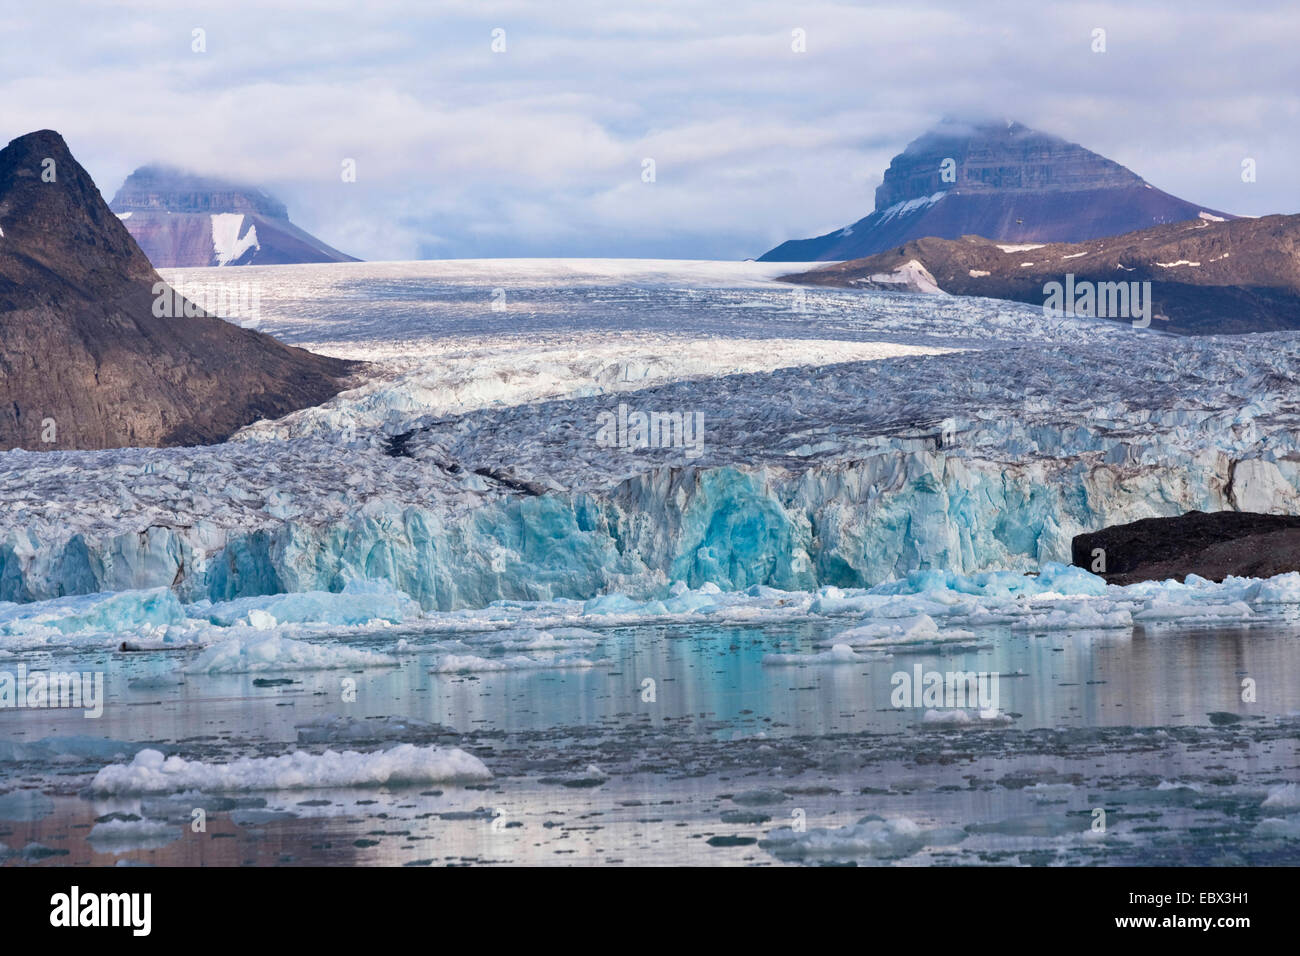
column 86, row 361
column 1000, row 180
column 1207, row 277
column 185, row 220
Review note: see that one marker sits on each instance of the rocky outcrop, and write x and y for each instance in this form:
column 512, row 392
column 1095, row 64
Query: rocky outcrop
column 1205, row 277
column 1213, row 546
column 999, row 180
column 86, row 361
column 182, row 220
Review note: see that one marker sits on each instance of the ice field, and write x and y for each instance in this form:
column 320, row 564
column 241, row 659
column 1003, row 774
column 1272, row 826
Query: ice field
column 471, row 611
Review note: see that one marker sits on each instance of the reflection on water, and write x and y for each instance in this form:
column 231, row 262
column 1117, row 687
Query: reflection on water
column 702, row 754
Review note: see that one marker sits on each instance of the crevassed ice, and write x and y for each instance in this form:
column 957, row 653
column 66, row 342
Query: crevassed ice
column 987, row 443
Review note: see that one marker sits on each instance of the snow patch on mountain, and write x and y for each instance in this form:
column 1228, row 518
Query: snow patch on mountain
column 911, row 275
column 909, row 206
column 227, row 243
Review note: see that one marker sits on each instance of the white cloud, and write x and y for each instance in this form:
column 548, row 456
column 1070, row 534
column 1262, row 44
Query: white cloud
column 538, row 150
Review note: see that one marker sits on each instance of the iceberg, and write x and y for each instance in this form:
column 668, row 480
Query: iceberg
column 151, row 772
column 260, row 651
column 359, row 603
column 872, row 837
column 100, row 612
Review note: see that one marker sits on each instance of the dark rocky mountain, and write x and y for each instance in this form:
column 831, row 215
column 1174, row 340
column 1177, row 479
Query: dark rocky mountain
column 1006, row 182
column 182, row 220
column 1212, row 545
column 83, row 358
column 1241, row 275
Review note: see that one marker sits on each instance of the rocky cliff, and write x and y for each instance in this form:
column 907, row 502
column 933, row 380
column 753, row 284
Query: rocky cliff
column 86, row 361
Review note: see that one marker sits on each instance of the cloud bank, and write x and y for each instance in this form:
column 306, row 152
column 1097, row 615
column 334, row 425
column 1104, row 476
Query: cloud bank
column 539, row 149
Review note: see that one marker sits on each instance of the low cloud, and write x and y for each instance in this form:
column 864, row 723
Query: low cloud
column 538, row 150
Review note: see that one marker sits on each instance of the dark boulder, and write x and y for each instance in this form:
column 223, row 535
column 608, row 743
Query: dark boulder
column 1213, row 545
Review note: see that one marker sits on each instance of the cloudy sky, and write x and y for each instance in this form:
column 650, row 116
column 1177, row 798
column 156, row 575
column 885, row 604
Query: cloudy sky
column 538, row 150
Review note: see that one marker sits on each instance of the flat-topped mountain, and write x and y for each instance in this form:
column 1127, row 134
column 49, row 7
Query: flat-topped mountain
column 183, row 220
column 1002, row 181
column 1206, row 277
column 86, row 361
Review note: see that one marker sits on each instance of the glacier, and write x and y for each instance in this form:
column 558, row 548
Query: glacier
column 852, row 439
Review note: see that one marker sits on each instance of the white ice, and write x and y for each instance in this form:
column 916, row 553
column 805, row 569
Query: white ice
column 257, row 652
column 849, row 439
column 151, row 772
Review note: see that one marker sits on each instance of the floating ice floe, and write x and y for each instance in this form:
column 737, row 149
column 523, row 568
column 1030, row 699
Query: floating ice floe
column 891, row 633
column 872, row 837
column 333, row 728
column 69, row 749
column 1084, row 617
column 1280, row 589
column 922, row 607
column 1051, row 579
column 1158, row 611
column 838, row 654
column 1278, row 828
column 1284, row 797
column 929, row 606
column 151, row 772
column 958, row 717
column 530, row 639
column 105, row 612
column 466, row 663
column 256, row 651
column 25, row 805
column 360, row 603
column 124, row 836
column 593, row 776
